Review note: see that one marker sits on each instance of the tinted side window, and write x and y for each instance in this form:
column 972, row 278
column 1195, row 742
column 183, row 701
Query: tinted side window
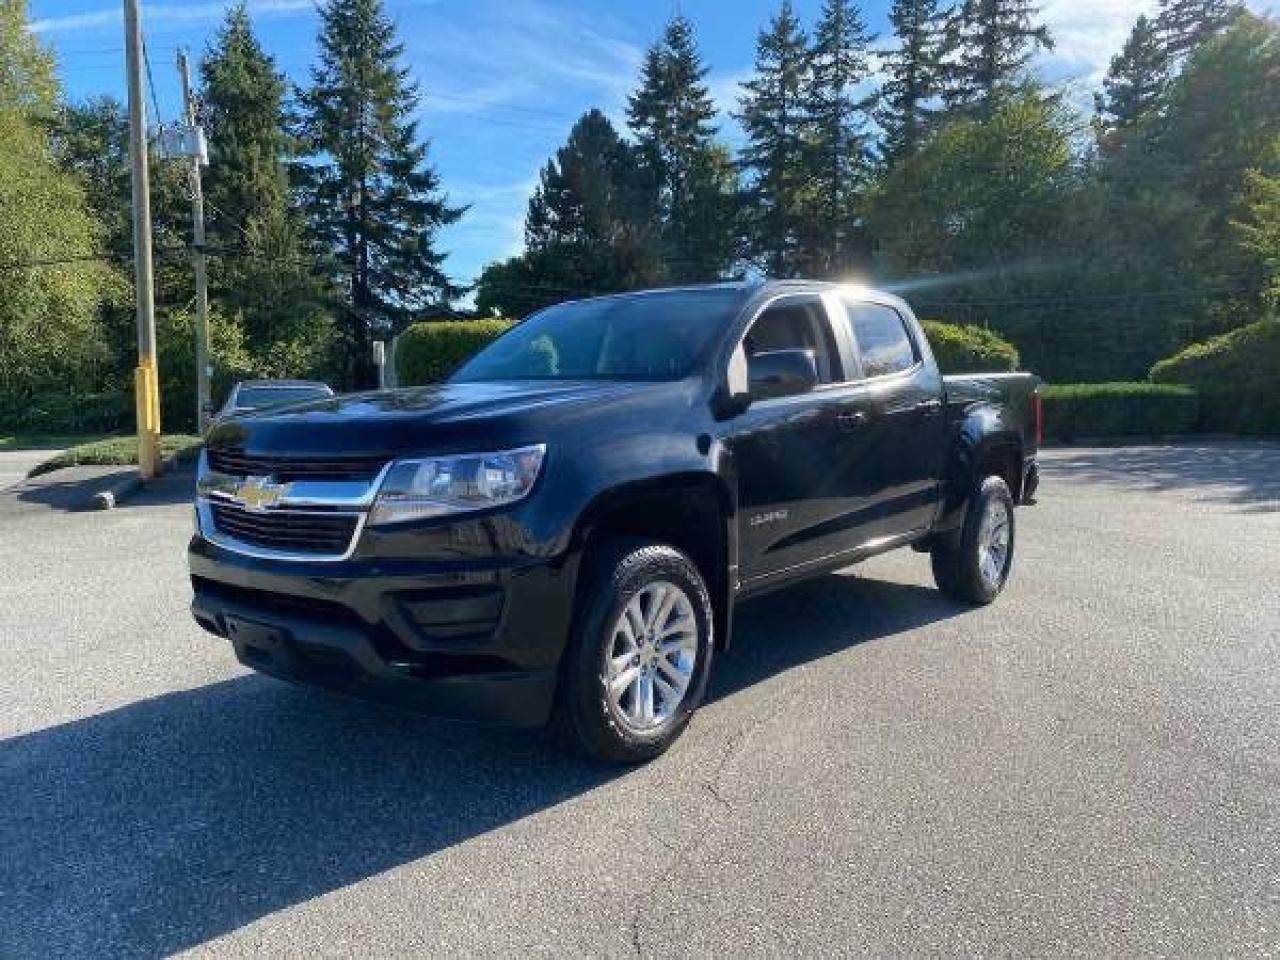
column 882, row 338
column 795, row 324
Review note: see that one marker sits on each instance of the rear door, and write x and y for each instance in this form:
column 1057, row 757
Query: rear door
column 893, row 484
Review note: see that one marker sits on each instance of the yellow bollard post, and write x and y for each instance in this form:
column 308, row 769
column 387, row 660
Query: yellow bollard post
column 147, row 402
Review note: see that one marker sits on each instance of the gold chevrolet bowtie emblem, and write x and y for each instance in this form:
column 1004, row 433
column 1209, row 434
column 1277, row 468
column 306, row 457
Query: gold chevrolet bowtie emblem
column 259, row 494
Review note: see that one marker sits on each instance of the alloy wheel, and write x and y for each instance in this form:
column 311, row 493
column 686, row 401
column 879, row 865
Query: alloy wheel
column 652, row 651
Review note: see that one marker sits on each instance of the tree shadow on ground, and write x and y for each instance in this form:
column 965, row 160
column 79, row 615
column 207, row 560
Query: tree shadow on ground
column 1242, row 473
column 168, row 822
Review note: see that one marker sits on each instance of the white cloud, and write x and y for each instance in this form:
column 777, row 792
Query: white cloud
column 160, row 14
column 1087, row 34
column 532, row 52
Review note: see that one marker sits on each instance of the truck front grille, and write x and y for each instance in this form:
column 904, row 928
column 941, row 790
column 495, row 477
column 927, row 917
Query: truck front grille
column 289, row 531
column 236, row 463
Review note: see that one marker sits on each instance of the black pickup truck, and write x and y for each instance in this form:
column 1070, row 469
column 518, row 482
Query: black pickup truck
column 563, row 528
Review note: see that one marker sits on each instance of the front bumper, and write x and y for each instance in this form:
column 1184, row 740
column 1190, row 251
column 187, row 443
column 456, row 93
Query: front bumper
column 463, row 640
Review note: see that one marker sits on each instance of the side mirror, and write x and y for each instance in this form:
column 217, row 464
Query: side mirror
column 781, row 373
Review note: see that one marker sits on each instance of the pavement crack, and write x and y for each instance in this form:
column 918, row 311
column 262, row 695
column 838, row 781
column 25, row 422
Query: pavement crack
column 714, row 790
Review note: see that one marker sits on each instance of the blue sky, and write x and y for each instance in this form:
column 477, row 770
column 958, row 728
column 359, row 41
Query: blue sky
column 503, row 80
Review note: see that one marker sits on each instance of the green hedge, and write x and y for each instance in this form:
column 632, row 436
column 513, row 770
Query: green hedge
column 969, row 349
column 428, row 352
column 1237, row 376
column 1075, row 411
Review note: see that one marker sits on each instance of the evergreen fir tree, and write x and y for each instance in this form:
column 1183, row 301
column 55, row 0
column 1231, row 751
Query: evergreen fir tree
column 1183, row 25
column 588, row 230
column 989, row 45
column 671, row 116
column 242, row 110
column 839, row 142
column 909, row 94
column 374, row 199
column 261, row 270
column 1135, row 81
column 590, row 209
column 774, row 115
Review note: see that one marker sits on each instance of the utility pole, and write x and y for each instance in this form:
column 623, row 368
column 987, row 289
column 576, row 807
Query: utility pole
column 203, row 406
column 146, row 377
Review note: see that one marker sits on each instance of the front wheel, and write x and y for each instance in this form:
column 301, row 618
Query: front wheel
column 973, row 568
column 637, row 666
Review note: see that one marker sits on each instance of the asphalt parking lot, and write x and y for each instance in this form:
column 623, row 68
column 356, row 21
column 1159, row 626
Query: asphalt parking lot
column 1091, row 766
column 14, row 464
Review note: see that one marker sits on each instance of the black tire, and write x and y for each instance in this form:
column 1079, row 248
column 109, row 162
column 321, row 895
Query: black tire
column 957, row 561
column 613, row 575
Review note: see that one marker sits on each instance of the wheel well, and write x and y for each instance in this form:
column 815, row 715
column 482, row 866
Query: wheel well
column 1004, row 462
column 688, row 515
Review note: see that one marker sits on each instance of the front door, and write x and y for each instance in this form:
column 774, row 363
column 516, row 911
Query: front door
column 790, row 453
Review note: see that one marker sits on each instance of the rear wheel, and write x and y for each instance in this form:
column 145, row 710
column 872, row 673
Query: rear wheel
column 974, row 566
column 637, row 666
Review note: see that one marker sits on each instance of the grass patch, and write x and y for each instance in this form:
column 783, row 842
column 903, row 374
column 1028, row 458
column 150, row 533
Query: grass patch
column 118, row 450
column 45, row 441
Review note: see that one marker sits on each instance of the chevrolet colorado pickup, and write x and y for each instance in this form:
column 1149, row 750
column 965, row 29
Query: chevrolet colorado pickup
column 563, row 528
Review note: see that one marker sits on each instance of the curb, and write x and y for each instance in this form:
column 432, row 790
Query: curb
column 121, row 490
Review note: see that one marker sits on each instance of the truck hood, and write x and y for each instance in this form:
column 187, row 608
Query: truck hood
column 424, row 419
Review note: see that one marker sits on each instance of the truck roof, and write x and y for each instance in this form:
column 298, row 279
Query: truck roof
column 762, row 288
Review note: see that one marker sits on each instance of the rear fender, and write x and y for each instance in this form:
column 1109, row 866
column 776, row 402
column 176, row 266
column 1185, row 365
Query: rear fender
column 987, row 442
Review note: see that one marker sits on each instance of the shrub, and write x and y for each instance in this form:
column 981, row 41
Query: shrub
column 1092, row 410
column 428, row 352
column 1237, row 376
column 70, row 412
column 969, row 349
column 176, row 355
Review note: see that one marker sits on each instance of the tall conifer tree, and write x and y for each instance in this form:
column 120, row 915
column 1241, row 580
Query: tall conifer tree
column 775, row 117
column 990, row 44
column 1183, row 25
column 589, row 209
column 262, row 270
column 374, row 199
column 672, row 118
column 840, row 146
column 1137, row 77
column 909, row 95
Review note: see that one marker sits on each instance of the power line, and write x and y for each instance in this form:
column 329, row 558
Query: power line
column 151, row 81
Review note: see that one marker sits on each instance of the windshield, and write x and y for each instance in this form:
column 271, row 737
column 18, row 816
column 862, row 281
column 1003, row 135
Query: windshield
column 266, row 396
column 657, row 336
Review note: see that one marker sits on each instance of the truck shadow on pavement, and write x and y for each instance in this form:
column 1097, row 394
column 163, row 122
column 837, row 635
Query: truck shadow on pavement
column 168, row 822
column 1244, row 474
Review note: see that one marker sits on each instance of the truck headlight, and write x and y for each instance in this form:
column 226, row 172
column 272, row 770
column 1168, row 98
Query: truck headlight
column 461, row 483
